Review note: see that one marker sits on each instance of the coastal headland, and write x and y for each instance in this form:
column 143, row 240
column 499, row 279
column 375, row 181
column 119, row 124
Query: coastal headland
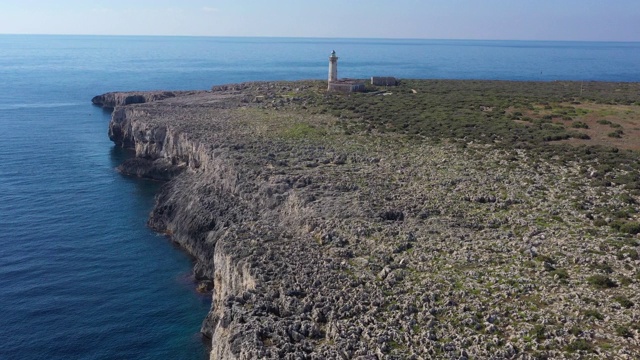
column 433, row 219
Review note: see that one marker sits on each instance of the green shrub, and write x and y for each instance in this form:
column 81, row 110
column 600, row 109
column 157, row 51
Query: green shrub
column 604, row 267
column 616, row 134
column 579, row 125
column 625, row 198
column 626, row 227
column 624, row 280
column 545, row 258
column 623, row 331
column 538, row 332
column 630, row 228
column 580, row 345
column 621, row 214
column 599, row 222
column 579, row 135
column 561, row 273
column 624, row 301
column 594, row 314
column 629, row 242
column 575, row 331
column 604, row 122
column 601, row 281
column 628, row 253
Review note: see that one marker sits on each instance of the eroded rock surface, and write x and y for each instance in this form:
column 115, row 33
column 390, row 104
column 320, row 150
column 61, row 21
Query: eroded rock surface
column 323, row 245
column 113, row 99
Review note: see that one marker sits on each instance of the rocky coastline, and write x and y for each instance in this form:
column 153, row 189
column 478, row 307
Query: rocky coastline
column 112, row 99
column 321, row 243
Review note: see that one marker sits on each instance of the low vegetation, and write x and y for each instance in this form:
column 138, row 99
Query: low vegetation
column 595, row 123
column 441, row 219
column 583, row 139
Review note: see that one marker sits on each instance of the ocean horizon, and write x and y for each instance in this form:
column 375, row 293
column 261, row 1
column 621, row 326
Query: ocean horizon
column 81, row 276
column 315, row 38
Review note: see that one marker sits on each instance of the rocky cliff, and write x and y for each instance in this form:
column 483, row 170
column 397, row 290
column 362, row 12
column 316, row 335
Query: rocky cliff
column 113, row 99
column 224, row 208
column 323, row 245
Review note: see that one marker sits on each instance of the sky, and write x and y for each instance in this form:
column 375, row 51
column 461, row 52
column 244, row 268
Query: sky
column 583, row 20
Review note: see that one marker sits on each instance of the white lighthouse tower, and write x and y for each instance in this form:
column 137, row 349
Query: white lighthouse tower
column 333, row 67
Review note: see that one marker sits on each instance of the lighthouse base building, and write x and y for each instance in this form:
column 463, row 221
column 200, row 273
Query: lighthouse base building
column 346, row 86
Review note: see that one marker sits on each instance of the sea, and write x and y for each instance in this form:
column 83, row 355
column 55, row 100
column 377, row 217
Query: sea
column 81, row 276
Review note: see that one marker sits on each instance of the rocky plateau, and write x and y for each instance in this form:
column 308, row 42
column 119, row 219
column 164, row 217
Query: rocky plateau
column 321, row 244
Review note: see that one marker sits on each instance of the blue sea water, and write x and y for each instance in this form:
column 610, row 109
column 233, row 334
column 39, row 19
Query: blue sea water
column 81, row 277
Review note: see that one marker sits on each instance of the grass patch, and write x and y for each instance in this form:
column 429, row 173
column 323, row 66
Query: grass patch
column 303, row 131
column 579, row 345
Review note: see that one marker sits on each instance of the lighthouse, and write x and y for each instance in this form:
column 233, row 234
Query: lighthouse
column 333, row 67
column 341, row 85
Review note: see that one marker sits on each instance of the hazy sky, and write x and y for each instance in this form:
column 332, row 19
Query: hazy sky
column 608, row 20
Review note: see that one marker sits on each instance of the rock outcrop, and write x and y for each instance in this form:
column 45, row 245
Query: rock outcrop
column 113, row 99
column 321, row 245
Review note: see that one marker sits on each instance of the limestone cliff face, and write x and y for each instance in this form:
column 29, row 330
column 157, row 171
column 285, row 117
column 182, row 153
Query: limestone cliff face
column 231, row 279
column 161, row 152
column 223, row 209
column 196, row 208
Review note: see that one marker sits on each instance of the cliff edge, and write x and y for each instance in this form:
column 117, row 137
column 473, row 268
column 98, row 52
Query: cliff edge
column 112, row 99
column 320, row 242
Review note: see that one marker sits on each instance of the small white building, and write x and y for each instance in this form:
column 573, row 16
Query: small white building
column 384, row 81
